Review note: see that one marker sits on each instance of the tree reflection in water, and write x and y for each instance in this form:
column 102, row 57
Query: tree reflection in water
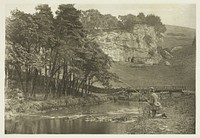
column 59, row 123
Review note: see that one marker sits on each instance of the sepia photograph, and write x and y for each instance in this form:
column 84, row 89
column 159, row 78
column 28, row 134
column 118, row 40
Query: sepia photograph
column 86, row 68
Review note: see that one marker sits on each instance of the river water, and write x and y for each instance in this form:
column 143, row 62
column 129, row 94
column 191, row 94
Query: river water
column 107, row 118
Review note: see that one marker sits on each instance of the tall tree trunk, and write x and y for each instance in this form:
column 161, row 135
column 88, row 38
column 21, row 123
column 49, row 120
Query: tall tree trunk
column 82, row 90
column 86, row 85
column 70, row 82
column 46, row 84
column 58, row 83
column 18, row 68
column 89, row 83
column 35, row 74
column 79, row 86
column 73, row 82
column 51, row 71
column 26, row 81
column 76, row 87
column 64, row 80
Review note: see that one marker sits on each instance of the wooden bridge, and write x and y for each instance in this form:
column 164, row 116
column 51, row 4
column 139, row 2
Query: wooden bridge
column 169, row 90
column 157, row 89
column 129, row 90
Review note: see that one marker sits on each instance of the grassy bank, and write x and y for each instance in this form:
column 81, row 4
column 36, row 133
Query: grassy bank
column 16, row 105
column 181, row 118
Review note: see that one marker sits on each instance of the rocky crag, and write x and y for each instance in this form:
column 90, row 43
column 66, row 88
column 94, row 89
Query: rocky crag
column 138, row 46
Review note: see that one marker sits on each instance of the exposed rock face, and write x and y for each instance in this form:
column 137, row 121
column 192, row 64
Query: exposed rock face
column 138, row 47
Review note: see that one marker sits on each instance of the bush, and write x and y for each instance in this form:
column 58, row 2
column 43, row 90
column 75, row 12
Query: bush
column 14, row 93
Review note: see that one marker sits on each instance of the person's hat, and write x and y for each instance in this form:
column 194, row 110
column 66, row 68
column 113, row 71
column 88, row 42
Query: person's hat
column 152, row 88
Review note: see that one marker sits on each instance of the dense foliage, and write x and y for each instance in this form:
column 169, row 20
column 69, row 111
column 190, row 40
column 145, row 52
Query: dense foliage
column 53, row 53
column 94, row 20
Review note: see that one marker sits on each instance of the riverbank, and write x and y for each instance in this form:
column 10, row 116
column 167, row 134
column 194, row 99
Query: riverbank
column 181, row 118
column 16, row 106
column 180, row 110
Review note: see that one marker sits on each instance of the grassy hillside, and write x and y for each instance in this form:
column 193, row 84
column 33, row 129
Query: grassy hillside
column 182, row 69
column 158, row 75
column 177, row 36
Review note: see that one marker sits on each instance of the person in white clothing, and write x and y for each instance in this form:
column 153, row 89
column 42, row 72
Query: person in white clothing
column 154, row 103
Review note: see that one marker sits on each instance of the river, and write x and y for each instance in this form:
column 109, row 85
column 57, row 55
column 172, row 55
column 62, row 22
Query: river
column 107, row 118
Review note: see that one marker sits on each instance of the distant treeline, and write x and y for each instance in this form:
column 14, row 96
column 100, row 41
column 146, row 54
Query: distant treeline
column 56, row 51
column 94, row 20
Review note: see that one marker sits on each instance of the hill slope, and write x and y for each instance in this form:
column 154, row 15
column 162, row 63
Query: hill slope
column 177, row 36
column 182, row 69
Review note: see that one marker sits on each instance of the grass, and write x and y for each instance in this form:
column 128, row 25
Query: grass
column 16, row 105
column 157, row 75
column 189, row 32
column 177, row 36
column 181, row 118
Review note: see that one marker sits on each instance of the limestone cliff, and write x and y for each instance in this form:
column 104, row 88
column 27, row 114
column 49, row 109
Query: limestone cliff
column 138, row 46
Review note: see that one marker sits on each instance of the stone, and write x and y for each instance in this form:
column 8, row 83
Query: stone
column 139, row 46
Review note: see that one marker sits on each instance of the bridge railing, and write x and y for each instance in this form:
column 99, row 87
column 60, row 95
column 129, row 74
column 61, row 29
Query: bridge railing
column 158, row 89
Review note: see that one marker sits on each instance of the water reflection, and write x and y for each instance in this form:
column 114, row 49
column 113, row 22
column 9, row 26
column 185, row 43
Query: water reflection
column 63, row 126
column 66, row 125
